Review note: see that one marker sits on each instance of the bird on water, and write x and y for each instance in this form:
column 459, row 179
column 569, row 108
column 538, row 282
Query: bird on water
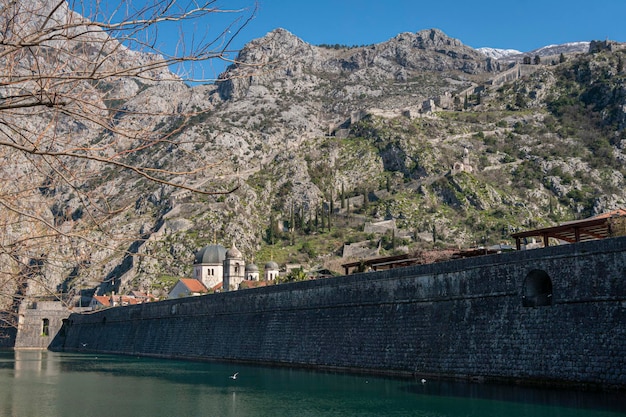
column 234, row 376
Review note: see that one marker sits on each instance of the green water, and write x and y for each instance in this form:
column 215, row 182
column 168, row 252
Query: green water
column 66, row 385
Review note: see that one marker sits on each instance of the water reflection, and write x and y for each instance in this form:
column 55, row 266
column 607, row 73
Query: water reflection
column 34, row 362
column 50, row 384
column 522, row 394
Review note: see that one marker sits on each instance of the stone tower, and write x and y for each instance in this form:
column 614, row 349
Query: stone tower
column 234, row 269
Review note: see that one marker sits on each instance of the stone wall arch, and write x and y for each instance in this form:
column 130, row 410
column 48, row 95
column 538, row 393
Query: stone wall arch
column 537, row 289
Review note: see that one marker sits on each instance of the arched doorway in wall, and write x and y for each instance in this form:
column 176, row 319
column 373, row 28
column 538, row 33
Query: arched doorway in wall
column 537, row 291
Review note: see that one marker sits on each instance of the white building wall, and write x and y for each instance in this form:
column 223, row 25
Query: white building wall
column 253, row 276
column 209, row 274
column 271, row 274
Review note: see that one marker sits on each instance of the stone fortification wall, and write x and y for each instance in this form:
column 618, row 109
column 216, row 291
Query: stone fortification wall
column 7, row 334
column 38, row 323
column 514, row 73
column 463, row 318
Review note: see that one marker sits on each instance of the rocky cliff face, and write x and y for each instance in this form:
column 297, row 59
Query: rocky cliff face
column 412, row 129
column 400, row 63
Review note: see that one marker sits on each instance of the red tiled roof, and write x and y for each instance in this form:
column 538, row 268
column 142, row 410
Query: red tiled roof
column 142, row 296
column 105, row 300
column 614, row 213
column 194, row 285
column 125, row 299
column 247, row 283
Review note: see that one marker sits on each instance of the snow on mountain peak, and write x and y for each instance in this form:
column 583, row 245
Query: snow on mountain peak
column 498, row 53
column 565, row 47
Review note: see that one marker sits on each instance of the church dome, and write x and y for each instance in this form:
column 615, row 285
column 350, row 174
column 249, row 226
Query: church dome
column 234, row 253
column 212, row 254
column 251, row 268
column 271, row 265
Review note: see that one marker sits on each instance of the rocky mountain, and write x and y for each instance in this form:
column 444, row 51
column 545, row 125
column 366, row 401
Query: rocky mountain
column 317, row 143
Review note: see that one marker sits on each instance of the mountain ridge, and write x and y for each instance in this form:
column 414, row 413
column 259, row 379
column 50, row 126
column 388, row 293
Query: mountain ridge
column 309, row 143
column 544, row 51
column 295, row 175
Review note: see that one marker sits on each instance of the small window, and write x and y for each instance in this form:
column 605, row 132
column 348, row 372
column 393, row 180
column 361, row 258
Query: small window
column 537, row 289
column 45, row 327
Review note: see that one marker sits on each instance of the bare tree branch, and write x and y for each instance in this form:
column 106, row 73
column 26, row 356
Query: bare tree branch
column 84, row 108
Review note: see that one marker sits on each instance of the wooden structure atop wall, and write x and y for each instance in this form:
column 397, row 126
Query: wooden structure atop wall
column 598, row 227
column 379, row 264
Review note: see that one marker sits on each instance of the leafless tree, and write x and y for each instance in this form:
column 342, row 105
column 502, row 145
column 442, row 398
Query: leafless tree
column 70, row 73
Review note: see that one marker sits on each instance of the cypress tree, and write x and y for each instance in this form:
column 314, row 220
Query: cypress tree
column 293, row 220
column 329, row 221
column 366, row 200
column 343, row 197
column 330, row 211
column 270, row 229
column 317, row 220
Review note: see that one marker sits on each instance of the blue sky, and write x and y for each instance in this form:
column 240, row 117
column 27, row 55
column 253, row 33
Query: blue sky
column 519, row 24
